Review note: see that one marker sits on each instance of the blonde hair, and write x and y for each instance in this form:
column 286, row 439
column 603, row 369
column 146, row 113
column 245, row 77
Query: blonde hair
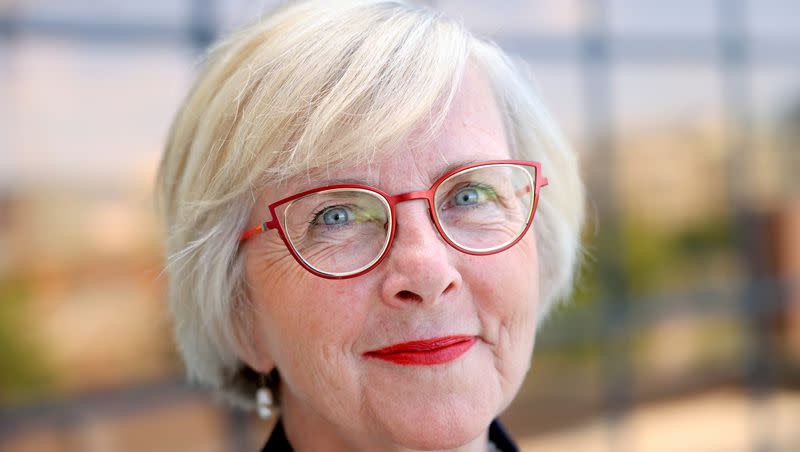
column 303, row 88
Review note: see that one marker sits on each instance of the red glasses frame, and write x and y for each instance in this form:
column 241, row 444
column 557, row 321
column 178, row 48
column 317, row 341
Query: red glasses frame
column 392, row 201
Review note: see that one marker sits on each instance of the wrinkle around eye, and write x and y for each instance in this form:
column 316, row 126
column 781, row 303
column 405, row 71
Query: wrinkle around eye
column 268, row 261
column 323, row 253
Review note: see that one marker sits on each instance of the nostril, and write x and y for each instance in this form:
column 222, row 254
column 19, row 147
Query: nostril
column 449, row 288
column 406, row 295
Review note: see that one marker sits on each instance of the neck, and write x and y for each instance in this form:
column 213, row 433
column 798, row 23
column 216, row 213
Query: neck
column 307, row 431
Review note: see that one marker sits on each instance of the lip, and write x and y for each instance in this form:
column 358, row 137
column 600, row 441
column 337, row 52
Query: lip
column 438, row 350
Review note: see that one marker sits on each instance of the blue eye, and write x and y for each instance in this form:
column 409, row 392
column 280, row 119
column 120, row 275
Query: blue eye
column 335, row 216
column 466, row 197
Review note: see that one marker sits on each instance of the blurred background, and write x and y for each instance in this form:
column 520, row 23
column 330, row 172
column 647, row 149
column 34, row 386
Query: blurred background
column 684, row 332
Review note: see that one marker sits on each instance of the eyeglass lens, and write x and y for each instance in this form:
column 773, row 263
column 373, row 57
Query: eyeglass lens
column 343, row 231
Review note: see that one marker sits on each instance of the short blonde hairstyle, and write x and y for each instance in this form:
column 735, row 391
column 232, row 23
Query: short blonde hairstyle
column 313, row 85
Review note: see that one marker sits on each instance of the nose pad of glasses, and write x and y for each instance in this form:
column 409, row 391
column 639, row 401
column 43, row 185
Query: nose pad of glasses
column 435, row 223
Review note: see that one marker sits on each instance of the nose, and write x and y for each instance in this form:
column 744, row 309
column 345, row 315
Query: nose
column 419, row 268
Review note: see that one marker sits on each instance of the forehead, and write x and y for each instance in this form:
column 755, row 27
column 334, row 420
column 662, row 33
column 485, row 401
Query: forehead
column 473, row 131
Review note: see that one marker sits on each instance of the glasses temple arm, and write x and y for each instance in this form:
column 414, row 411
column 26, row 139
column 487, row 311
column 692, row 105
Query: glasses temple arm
column 251, row 232
column 263, row 227
column 527, row 188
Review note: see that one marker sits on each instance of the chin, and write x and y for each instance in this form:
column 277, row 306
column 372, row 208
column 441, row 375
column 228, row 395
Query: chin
column 446, row 426
column 427, row 437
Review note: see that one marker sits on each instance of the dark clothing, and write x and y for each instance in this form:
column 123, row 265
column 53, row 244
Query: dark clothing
column 497, row 435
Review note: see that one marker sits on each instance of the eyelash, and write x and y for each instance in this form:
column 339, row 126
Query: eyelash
column 491, row 191
column 313, row 220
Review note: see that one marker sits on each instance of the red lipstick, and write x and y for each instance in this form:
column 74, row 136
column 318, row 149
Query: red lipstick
column 427, row 352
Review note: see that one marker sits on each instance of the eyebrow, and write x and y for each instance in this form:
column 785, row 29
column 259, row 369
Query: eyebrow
column 447, row 169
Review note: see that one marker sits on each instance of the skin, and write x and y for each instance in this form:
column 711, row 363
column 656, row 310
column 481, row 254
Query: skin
column 316, row 330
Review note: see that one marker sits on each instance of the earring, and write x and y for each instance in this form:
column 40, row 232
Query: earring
column 264, row 400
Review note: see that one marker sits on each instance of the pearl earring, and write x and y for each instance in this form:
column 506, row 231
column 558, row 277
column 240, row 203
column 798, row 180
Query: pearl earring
column 264, row 400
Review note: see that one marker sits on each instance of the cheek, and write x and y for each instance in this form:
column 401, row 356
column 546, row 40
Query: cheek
column 304, row 322
column 507, row 283
column 505, row 289
column 327, row 313
column 315, row 341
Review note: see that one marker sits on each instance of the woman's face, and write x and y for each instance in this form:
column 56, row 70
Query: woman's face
column 317, row 331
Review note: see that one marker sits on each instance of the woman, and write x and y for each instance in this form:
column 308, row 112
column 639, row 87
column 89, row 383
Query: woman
column 349, row 190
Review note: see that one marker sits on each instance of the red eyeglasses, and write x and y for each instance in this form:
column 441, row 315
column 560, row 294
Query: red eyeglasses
column 345, row 230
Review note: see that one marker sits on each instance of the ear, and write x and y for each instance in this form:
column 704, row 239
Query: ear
column 257, row 359
column 252, row 349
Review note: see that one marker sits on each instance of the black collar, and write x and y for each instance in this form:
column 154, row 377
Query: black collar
column 497, row 434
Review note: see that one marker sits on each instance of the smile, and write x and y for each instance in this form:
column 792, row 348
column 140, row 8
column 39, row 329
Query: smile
column 427, row 352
